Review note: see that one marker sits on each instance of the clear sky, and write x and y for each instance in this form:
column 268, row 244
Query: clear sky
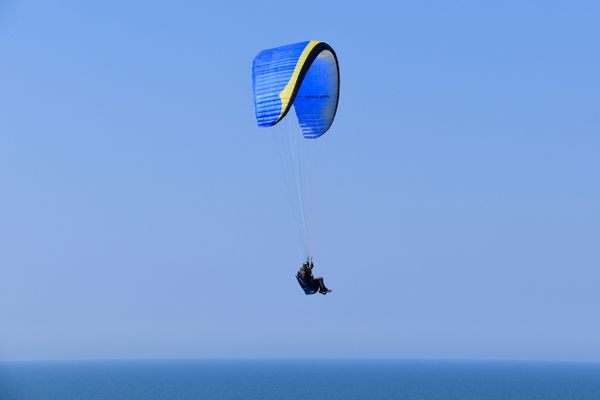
column 142, row 214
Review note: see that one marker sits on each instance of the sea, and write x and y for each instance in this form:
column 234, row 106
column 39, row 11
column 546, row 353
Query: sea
column 298, row 379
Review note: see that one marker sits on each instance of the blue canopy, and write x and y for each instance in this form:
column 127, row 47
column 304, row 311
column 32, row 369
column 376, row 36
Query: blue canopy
column 305, row 75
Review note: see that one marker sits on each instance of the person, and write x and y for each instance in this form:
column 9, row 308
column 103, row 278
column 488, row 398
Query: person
column 308, row 282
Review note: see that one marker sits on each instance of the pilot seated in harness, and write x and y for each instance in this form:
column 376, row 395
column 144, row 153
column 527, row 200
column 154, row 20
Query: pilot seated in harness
column 308, row 282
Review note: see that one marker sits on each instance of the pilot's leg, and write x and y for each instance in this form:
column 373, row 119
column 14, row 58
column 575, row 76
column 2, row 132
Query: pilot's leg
column 322, row 288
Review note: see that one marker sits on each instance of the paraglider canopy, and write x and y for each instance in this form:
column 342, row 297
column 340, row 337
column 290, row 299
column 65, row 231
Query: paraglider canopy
column 305, row 75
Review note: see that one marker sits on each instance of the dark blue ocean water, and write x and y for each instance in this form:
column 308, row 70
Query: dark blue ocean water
column 322, row 380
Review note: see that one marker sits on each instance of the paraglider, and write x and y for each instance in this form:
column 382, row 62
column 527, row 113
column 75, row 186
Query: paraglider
column 308, row 282
column 305, row 77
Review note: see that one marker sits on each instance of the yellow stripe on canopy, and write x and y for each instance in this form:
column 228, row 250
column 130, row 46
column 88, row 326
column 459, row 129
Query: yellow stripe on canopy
column 286, row 93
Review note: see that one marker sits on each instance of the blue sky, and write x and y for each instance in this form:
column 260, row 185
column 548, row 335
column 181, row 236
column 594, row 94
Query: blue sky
column 142, row 214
